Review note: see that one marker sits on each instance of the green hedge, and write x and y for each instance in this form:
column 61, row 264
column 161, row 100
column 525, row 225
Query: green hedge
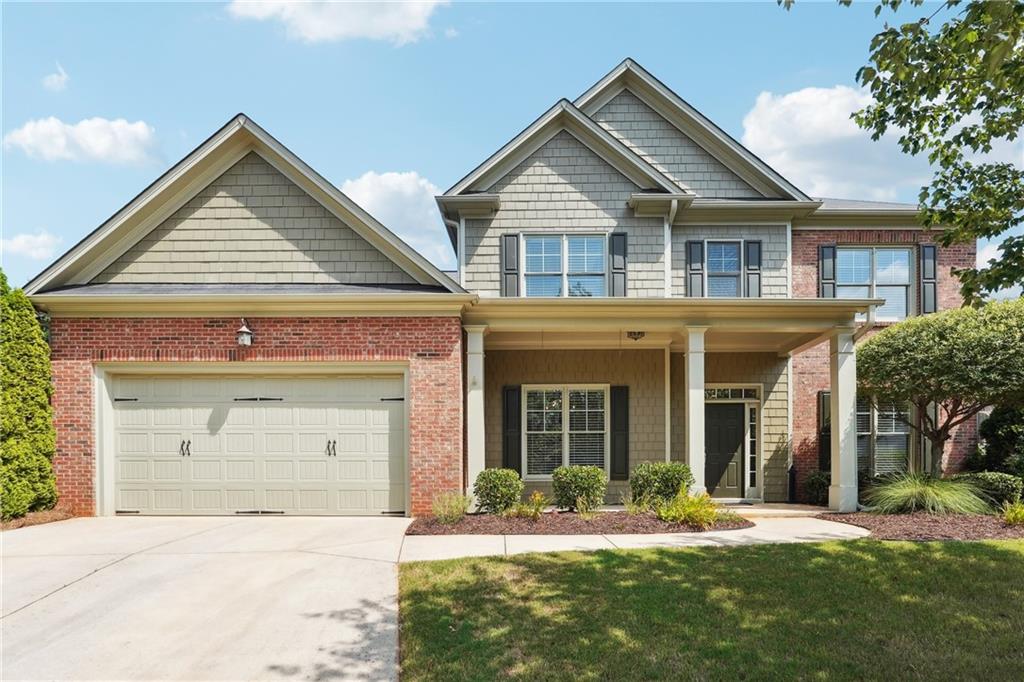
column 816, row 487
column 656, row 482
column 573, row 483
column 999, row 487
column 497, row 490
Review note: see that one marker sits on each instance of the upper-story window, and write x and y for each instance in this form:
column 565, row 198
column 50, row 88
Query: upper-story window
column 723, row 266
column 565, row 265
column 876, row 273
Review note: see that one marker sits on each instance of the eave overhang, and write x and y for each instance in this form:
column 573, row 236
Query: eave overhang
column 647, row 204
column 719, row 210
column 904, row 218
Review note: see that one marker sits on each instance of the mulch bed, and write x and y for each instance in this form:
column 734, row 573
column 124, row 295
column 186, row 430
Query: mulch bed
column 921, row 526
column 562, row 523
column 36, row 518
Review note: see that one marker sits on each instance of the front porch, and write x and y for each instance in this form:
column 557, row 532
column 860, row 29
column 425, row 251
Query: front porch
column 616, row 383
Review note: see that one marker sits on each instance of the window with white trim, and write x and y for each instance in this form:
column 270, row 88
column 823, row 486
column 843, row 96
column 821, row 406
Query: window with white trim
column 723, row 269
column 565, row 265
column 883, row 439
column 752, row 444
column 564, row 425
column 876, row 272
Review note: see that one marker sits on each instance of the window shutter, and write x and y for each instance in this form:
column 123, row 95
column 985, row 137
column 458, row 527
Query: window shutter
column 617, row 251
column 753, row 267
column 824, row 431
column 619, row 398
column 695, row 269
column 929, row 283
column 510, row 265
column 827, row 272
column 511, row 428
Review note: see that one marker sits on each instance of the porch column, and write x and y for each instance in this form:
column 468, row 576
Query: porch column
column 842, row 495
column 695, row 405
column 474, row 403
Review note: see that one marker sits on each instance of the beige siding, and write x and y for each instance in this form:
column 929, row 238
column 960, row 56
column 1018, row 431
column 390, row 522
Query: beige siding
column 669, row 150
column 565, row 187
column 773, row 253
column 252, row 225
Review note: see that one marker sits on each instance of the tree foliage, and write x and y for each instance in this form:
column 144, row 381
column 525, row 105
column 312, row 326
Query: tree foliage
column 27, row 439
column 959, row 360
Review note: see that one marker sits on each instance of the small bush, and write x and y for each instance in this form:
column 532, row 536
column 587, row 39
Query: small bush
column 998, row 487
column 1013, row 514
column 497, row 490
column 816, row 487
column 572, row 483
column 450, row 507
column 698, row 511
column 908, row 493
column 655, row 482
column 531, row 509
column 1015, row 465
column 1003, row 435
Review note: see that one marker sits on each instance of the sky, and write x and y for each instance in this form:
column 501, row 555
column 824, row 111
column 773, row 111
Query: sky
column 394, row 103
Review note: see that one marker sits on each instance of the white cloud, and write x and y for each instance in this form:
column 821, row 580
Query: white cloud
column 39, row 246
column 989, row 250
column 404, row 202
column 314, row 22
column 55, row 82
column 451, row 32
column 93, row 139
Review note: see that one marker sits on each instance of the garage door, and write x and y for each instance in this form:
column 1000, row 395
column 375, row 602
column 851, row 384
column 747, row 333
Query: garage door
column 234, row 445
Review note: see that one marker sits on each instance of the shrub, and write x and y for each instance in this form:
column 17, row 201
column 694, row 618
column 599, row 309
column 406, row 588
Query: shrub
column 532, row 508
column 816, row 487
column 497, row 490
column 572, row 483
column 916, row 492
column 1013, row 513
column 998, row 487
column 654, row 482
column 450, row 507
column 1015, row 465
column 1003, row 435
column 698, row 511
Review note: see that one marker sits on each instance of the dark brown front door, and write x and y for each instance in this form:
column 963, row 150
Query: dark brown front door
column 723, row 443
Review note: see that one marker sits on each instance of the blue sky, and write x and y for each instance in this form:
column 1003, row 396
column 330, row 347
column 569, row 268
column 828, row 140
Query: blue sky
column 394, row 103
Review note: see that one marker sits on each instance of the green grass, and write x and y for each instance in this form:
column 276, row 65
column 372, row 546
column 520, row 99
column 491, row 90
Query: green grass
column 861, row 610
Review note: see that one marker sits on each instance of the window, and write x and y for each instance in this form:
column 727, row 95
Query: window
column 565, row 425
column 876, row 273
column 883, row 437
column 723, row 266
column 565, row 265
column 752, row 445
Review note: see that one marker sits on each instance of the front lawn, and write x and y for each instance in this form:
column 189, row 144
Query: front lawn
column 851, row 610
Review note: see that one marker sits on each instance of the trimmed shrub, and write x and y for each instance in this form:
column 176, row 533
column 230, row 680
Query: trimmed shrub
column 998, row 487
column 698, row 511
column 27, row 438
column 497, row 490
column 1003, row 433
column 1013, row 514
column 816, row 487
column 573, row 483
column 655, row 482
column 450, row 507
column 908, row 493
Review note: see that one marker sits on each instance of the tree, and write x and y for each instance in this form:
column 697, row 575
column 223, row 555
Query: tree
column 27, row 439
column 959, row 361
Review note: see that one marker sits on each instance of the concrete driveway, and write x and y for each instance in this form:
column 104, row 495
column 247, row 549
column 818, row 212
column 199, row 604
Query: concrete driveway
column 174, row 598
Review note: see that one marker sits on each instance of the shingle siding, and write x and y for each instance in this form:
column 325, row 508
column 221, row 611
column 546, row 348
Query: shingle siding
column 253, row 225
column 774, row 271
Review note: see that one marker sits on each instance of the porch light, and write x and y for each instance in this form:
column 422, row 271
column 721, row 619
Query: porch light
column 636, row 336
column 244, row 334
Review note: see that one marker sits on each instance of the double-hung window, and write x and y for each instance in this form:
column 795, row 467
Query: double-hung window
column 723, row 268
column 883, row 437
column 565, row 425
column 565, row 265
column 876, row 273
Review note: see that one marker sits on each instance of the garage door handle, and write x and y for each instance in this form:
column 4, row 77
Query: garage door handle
column 181, row 449
column 188, row 448
column 334, row 448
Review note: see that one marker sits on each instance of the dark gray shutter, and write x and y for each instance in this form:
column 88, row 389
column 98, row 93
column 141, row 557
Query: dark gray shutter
column 824, row 431
column 619, row 257
column 695, row 269
column 510, row 265
column 511, row 428
column 827, row 271
column 620, row 432
column 929, row 283
column 753, row 268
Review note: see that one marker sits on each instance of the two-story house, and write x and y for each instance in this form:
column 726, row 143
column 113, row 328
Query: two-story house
column 633, row 285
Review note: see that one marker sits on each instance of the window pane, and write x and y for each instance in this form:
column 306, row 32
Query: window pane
column 586, row 254
column 864, row 454
column 895, row 307
column 586, row 449
column 543, row 453
column 543, row 285
column 853, row 292
column 544, row 254
column 853, row 266
column 891, row 419
column 534, row 421
column 586, row 285
column 891, row 454
column 552, row 421
column 863, row 416
column 723, row 257
column 892, row 266
column 719, row 286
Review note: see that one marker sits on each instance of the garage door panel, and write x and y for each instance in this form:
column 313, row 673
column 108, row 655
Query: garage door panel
column 134, row 443
column 239, row 499
column 240, row 470
column 134, row 498
column 168, row 470
column 278, row 470
column 313, row 500
column 207, row 500
column 133, row 470
column 206, row 470
column 164, row 443
column 168, row 500
column 239, row 443
column 313, row 470
column 279, row 499
column 278, row 443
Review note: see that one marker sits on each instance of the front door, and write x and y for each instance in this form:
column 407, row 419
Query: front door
column 723, row 440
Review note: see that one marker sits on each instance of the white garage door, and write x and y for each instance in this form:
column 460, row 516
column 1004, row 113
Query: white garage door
column 229, row 445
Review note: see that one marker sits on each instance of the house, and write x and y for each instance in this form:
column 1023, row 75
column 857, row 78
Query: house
column 633, row 285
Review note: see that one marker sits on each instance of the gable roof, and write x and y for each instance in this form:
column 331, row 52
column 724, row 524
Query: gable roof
column 238, row 137
column 629, row 75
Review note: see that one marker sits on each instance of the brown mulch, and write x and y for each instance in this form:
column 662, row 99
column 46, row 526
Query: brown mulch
column 36, row 518
column 563, row 523
column 922, row 526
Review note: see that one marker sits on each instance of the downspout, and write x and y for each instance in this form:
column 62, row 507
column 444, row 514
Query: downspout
column 673, row 208
column 456, row 225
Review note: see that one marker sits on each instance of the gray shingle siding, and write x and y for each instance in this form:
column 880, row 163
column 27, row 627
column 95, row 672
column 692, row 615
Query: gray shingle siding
column 773, row 253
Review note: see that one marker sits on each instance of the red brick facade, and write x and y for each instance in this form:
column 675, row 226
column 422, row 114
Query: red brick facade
column 811, row 368
column 430, row 346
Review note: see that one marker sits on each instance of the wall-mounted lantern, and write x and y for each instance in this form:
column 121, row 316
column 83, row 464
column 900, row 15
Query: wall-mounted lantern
column 636, row 336
column 244, row 334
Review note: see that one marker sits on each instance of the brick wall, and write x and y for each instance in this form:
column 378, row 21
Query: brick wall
column 430, row 345
column 811, row 368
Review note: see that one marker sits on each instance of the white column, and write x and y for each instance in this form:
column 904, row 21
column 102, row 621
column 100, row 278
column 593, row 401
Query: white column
column 842, row 495
column 668, row 404
column 474, row 403
column 695, row 405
